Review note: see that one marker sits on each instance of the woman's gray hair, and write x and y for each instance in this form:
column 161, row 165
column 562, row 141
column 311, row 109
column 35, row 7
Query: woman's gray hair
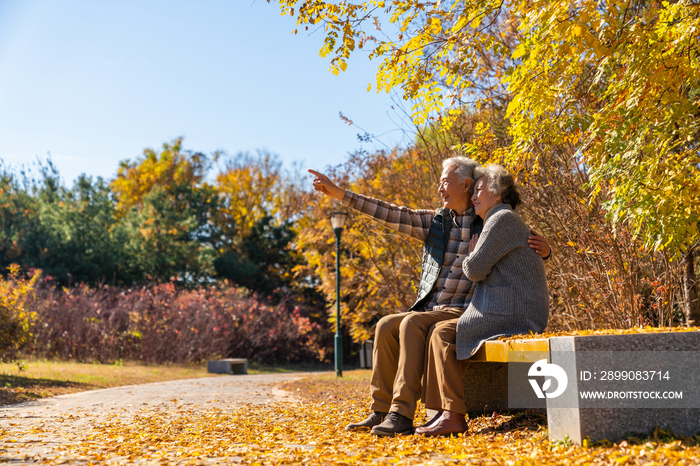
column 500, row 183
column 464, row 166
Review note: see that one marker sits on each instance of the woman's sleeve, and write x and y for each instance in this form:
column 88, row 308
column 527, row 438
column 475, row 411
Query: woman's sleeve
column 498, row 238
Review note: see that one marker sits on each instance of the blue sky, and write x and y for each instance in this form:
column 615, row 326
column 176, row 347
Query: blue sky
column 93, row 82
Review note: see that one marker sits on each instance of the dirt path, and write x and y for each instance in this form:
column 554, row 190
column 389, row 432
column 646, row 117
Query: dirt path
column 28, row 430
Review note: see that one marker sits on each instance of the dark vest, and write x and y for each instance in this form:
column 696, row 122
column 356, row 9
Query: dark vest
column 434, row 253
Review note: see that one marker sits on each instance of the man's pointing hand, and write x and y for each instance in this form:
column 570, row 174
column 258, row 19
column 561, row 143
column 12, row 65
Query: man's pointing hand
column 324, row 185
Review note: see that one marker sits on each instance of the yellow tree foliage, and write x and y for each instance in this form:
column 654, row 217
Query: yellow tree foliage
column 439, row 54
column 167, row 207
column 620, row 82
column 173, row 169
column 250, row 189
column 15, row 318
column 615, row 83
column 258, row 205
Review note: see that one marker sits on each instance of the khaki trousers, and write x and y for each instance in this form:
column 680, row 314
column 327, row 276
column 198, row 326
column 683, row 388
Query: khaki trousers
column 400, row 344
column 443, row 388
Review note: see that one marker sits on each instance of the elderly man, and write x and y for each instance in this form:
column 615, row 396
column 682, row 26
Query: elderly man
column 444, row 292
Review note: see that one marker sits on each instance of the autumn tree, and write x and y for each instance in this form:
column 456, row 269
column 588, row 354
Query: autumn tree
column 19, row 220
column 66, row 232
column 15, row 317
column 606, row 89
column 181, row 172
column 622, row 89
column 260, row 203
column 618, row 81
column 78, row 241
column 167, row 208
column 251, row 189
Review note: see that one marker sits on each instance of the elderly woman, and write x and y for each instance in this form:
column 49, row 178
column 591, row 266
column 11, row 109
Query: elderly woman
column 510, row 298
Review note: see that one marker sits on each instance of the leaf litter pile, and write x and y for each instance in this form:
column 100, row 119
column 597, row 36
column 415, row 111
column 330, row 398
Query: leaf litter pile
column 616, row 331
column 311, row 431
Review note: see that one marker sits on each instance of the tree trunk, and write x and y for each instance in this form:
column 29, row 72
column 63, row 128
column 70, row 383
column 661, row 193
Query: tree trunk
column 690, row 290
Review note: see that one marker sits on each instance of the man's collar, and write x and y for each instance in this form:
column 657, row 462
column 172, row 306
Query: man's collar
column 453, row 213
column 469, row 211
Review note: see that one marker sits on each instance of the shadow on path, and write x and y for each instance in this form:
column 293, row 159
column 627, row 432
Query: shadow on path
column 17, row 389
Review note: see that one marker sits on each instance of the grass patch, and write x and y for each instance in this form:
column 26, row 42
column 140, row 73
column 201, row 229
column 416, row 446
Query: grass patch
column 30, row 380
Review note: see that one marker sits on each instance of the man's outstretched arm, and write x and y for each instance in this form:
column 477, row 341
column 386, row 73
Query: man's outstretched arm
column 412, row 222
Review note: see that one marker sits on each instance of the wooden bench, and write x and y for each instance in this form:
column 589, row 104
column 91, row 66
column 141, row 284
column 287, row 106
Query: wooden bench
column 569, row 416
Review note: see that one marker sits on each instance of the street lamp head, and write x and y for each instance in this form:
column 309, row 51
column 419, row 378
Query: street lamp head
column 338, row 219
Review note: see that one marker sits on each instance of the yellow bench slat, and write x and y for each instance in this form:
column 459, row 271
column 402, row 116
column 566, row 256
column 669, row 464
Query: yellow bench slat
column 530, row 350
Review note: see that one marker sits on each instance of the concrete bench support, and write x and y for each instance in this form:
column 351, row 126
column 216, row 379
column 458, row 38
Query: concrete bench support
column 575, row 418
column 228, row 366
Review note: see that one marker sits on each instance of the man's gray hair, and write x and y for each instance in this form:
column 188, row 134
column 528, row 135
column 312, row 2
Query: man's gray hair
column 465, row 167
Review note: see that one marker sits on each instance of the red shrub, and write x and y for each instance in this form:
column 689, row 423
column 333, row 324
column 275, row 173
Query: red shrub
column 161, row 323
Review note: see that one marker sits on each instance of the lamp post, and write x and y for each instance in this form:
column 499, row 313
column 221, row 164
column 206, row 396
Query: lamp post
column 338, row 220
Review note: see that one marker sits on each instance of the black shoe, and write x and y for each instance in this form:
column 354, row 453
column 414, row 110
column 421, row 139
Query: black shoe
column 394, row 424
column 372, row 420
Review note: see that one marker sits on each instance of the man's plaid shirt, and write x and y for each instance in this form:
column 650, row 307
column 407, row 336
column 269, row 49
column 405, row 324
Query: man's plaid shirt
column 452, row 288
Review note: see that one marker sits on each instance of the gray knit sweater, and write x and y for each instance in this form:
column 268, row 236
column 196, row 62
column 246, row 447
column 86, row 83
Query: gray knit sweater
column 511, row 286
